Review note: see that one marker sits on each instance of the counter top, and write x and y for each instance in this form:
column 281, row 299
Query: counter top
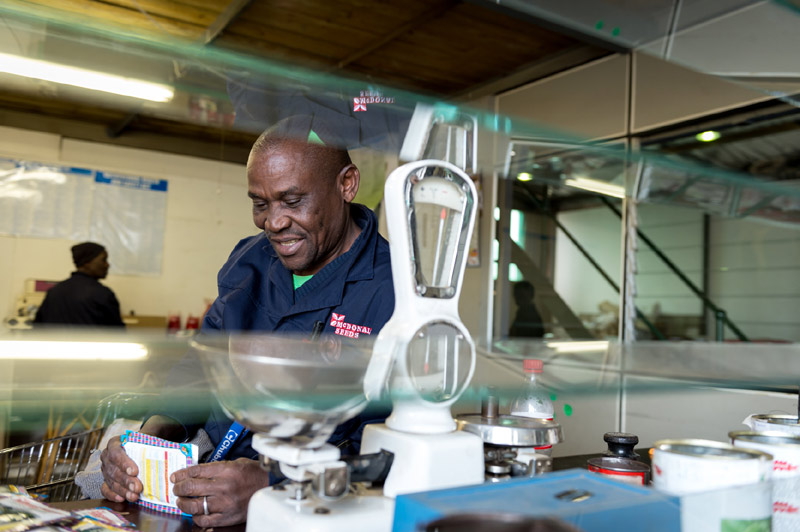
column 145, row 520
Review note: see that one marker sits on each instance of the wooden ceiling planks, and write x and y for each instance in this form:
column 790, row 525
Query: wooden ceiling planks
column 338, row 34
column 112, row 17
column 426, row 18
column 458, row 51
column 325, row 32
column 231, row 11
column 299, row 18
column 376, row 17
column 440, row 46
column 189, row 13
column 269, row 37
column 495, row 32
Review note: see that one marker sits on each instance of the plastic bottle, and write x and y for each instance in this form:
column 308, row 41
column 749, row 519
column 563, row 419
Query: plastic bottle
column 533, row 400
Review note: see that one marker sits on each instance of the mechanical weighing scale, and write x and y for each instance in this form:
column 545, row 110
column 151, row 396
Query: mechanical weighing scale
column 432, row 352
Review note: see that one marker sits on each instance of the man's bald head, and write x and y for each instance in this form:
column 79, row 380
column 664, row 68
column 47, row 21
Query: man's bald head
column 326, row 160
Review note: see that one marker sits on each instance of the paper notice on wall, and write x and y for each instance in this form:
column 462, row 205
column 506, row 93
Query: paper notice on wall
column 126, row 214
column 128, row 218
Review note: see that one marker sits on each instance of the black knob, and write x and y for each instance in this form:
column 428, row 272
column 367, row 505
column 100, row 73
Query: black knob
column 621, row 444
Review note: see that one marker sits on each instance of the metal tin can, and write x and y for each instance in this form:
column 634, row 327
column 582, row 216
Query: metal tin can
column 785, row 450
column 621, row 469
column 721, row 487
column 773, row 422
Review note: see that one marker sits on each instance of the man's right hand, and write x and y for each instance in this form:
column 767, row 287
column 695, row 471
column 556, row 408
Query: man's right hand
column 119, row 471
column 119, row 474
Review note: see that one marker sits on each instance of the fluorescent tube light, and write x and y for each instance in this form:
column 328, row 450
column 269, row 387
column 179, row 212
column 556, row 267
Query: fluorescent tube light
column 592, row 185
column 87, row 79
column 41, row 350
column 578, row 347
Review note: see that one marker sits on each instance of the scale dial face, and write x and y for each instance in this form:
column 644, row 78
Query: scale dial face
column 438, row 362
column 439, row 210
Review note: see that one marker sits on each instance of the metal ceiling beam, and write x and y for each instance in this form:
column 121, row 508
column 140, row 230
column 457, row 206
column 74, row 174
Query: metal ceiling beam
column 424, row 18
column 205, row 143
column 230, row 12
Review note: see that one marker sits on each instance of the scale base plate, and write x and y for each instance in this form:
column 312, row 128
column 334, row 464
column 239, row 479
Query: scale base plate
column 272, row 510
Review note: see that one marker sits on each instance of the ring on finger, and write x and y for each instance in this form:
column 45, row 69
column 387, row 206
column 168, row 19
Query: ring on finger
column 205, row 505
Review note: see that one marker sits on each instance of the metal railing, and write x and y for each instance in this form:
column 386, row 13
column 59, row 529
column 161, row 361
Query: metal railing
column 720, row 315
column 639, row 314
column 48, row 467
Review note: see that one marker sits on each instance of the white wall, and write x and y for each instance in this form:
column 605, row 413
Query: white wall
column 667, row 93
column 580, row 285
column 590, row 100
column 678, row 233
column 207, row 213
column 755, row 276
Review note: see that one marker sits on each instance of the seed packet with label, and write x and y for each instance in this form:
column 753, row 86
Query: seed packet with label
column 157, row 459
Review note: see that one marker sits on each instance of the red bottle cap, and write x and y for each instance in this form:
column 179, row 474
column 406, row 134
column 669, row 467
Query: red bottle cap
column 532, row 365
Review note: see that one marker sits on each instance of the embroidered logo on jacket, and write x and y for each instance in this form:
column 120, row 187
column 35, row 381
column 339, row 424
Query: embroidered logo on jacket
column 342, row 328
column 360, row 102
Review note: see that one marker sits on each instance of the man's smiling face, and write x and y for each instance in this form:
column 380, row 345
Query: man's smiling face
column 304, row 214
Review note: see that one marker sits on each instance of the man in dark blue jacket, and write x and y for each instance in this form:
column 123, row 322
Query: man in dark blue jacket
column 319, row 264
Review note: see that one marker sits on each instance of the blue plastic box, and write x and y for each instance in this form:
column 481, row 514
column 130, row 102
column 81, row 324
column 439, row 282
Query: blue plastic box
column 610, row 506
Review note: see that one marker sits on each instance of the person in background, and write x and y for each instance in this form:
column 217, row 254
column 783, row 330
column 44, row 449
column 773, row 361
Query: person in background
column 528, row 322
column 318, row 266
column 81, row 299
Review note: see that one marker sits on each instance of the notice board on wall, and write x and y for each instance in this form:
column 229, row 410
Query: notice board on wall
column 126, row 214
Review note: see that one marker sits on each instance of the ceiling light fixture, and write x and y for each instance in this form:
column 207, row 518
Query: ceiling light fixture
column 708, row 136
column 578, row 347
column 593, row 185
column 87, row 79
column 524, row 176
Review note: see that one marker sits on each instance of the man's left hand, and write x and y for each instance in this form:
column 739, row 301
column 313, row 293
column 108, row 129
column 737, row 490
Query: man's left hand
column 226, row 487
